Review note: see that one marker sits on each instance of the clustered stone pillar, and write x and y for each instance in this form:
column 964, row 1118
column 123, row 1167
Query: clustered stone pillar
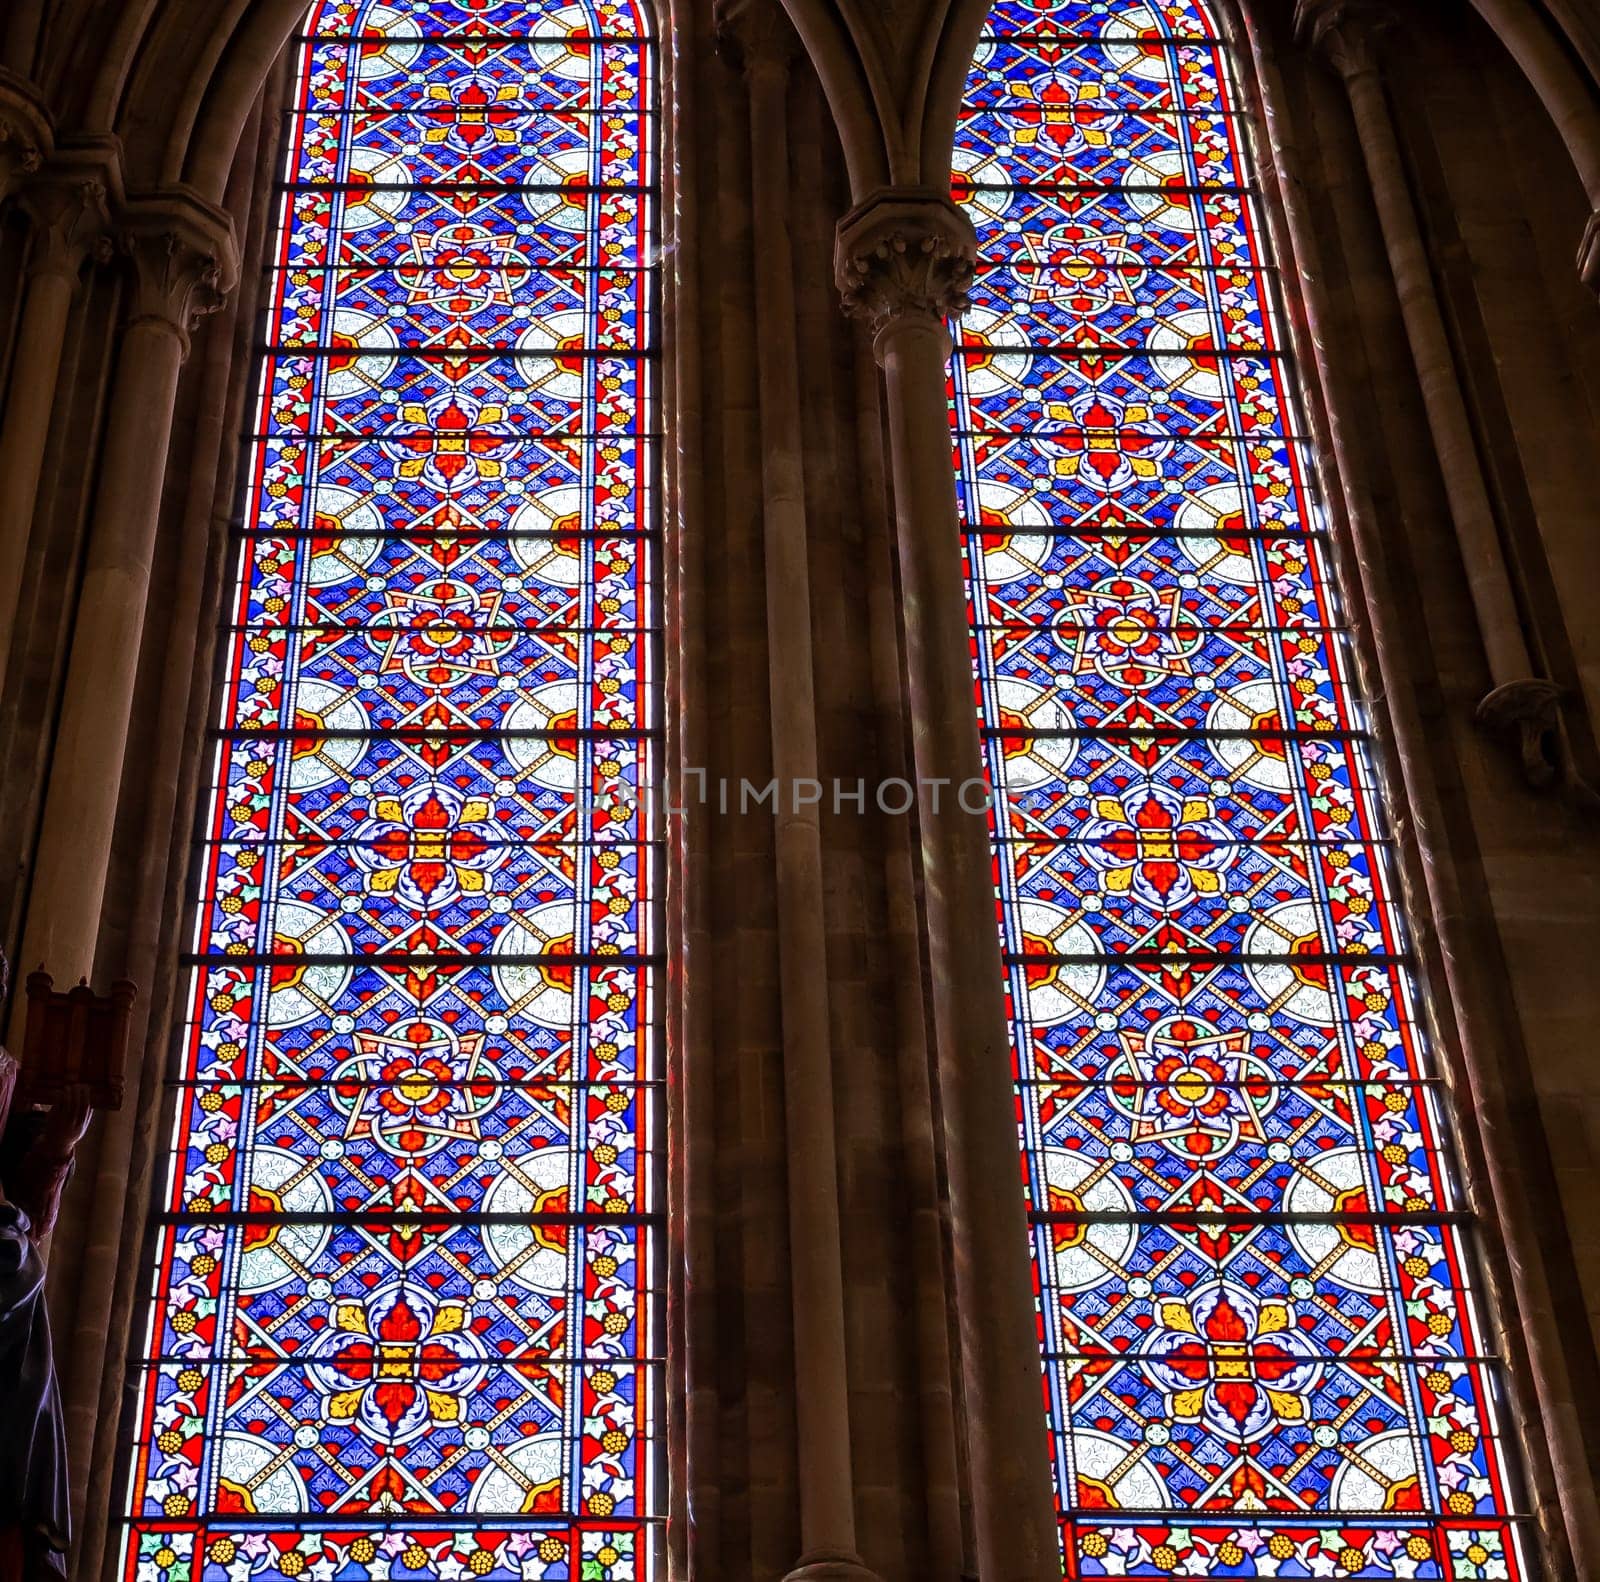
column 181, row 252
column 927, row 1298
column 1520, row 702
column 760, row 34
column 70, row 218
column 904, row 260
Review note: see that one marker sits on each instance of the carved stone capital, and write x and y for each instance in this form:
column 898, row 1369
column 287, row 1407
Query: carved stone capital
column 1589, row 253
column 25, row 134
column 755, row 35
column 184, row 261
column 907, row 253
column 71, row 216
column 1348, row 32
column 1530, row 711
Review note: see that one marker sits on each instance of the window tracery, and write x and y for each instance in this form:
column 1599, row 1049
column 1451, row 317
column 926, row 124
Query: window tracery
column 1265, row 1354
column 401, row 1321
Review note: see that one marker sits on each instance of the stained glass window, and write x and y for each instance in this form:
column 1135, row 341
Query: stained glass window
column 1264, row 1351
column 401, row 1321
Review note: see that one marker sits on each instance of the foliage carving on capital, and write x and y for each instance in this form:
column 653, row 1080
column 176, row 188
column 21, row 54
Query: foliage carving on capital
column 755, row 34
column 1346, row 31
column 71, row 221
column 175, row 282
column 183, row 266
column 905, row 254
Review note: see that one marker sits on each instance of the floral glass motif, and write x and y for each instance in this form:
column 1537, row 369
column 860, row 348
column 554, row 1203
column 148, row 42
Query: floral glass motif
column 401, row 1322
column 1264, row 1354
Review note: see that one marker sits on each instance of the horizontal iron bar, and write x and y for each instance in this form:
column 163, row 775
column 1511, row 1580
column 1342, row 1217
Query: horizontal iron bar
column 410, row 267
column 1226, row 1216
column 1247, row 842
column 1195, row 1350
column 1140, row 41
column 427, row 734
column 393, row 628
column 1136, row 265
column 443, row 112
column 421, row 1217
column 1150, row 535
column 1208, row 437
column 473, row 41
column 1307, row 1084
column 554, row 1361
column 1150, row 959
column 281, row 845
column 1062, row 621
column 430, row 352
column 360, row 1523
column 482, row 188
column 456, row 535
column 1170, row 734
column 1193, row 1518
column 1101, row 112
column 395, row 962
column 1178, row 189
column 1067, row 353
column 325, row 442
column 565, row 1085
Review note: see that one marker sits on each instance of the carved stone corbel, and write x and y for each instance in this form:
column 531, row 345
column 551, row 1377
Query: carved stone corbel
column 1530, row 712
column 25, row 133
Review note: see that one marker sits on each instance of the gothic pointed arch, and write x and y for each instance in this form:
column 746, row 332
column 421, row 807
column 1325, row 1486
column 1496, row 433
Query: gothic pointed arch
column 402, row 1260
column 1260, row 1315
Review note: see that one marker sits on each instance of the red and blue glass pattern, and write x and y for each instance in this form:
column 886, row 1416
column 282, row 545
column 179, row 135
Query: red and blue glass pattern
column 1264, row 1352
column 401, row 1323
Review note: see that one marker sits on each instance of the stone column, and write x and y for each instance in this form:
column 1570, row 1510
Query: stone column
column 1521, row 703
column 25, row 135
column 692, row 1406
column 927, row 1302
column 904, row 259
column 182, row 262
column 759, row 34
column 69, row 216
